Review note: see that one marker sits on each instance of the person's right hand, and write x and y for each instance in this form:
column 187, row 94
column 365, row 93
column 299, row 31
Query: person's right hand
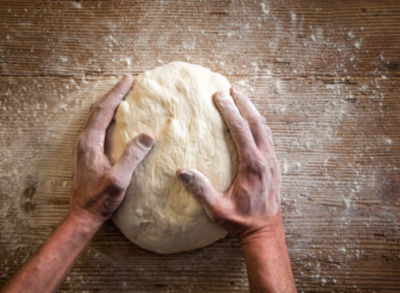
column 251, row 206
column 98, row 186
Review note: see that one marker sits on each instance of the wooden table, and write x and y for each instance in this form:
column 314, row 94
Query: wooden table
column 325, row 74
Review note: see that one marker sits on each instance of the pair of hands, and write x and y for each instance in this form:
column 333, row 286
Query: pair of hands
column 250, row 207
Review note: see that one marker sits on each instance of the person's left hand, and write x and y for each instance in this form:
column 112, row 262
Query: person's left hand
column 99, row 187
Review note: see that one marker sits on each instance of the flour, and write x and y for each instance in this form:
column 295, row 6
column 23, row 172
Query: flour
column 264, row 8
column 328, row 122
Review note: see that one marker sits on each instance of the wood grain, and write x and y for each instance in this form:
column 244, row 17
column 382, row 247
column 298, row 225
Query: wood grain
column 325, row 74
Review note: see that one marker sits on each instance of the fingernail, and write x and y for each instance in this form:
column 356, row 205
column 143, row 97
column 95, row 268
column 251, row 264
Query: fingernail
column 185, row 177
column 146, row 140
column 221, row 96
column 127, row 76
column 235, row 89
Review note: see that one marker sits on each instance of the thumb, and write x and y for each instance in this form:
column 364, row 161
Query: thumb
column 134, row 153
column 201, row 188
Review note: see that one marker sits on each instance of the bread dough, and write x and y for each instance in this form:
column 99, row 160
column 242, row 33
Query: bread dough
column 174, row 104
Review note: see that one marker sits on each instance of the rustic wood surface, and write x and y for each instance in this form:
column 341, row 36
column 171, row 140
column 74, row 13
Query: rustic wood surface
column 325, row 74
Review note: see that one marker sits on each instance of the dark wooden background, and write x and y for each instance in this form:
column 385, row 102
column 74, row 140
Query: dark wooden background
column 324, row 73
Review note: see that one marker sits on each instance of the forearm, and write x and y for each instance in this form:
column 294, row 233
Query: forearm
column 268, row 263
column 98, row 189
column 48, row 267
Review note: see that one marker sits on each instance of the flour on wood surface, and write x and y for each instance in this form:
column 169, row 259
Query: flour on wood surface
column 39, row 122
column 328, row 112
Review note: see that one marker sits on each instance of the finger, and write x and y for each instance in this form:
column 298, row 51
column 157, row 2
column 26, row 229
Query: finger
column 102, row 112
column 108, row 142
column 237, row 125
column 258, row 126
column 201, row 188
column 134, row 153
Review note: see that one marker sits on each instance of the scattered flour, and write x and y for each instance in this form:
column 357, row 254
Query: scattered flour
column 387, row 141
column 76, row 4
column 264, row 8
column 312, row 120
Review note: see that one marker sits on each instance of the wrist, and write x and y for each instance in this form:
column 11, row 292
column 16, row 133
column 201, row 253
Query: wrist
column 271, row 232
column 261, row 242
column 84, row 221
column 267, row 260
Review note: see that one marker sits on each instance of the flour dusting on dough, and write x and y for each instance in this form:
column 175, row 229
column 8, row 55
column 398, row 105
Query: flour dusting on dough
column 173, row 103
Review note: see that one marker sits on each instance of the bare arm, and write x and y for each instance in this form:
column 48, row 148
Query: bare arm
column 98, row 189
column 48, row 267
column 250, row 208
column 268, row 262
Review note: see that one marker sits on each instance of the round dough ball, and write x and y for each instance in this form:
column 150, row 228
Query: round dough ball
column 174, row 104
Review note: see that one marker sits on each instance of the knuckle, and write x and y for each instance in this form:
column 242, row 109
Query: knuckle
column 115, row 185
column 261, row 123
column 135, row 157
column 258, row 118
column 96, row 107
column 83, row 147
column 255, row 121
column 197, row 187
column 81, row 143
column 134, row 153
column 93, row 106
column 240, row 124
column 255, row 166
